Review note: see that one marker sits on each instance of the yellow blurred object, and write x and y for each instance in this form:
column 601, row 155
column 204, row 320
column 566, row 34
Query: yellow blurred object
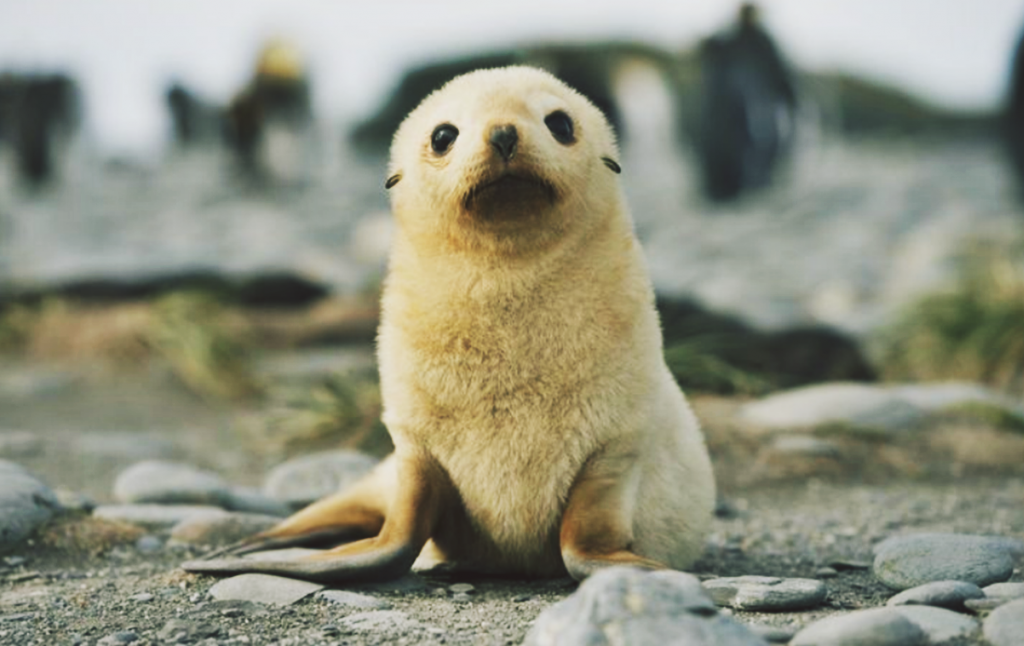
column 280, row 59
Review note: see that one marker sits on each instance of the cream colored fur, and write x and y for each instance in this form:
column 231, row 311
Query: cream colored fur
column 519, row 344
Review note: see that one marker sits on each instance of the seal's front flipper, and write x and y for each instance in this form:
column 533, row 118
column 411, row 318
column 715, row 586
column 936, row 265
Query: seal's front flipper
column 423, row 493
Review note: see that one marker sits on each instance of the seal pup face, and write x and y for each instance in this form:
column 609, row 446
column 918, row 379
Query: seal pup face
column 504, row 161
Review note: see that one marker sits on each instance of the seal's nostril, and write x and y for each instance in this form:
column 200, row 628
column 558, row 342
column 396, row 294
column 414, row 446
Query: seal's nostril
column 504, row 139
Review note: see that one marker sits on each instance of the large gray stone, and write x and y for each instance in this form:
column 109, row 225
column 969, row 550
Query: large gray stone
column 303, row 480
column 857, row 406
column 909, row 561
column 941, row 626
column 622, row 606
column 764, row 593
column 25, row 504
column 1005, row 626
column 945, row 594
column 874, row 627
column 158, row 481
column 263, row 588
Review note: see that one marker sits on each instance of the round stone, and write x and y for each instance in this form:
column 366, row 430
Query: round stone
column 306, row 479
column 621, row 605
column 874, row 627
column 910, row 561
column 762, row 593
column 1005, row 626
column 157, row 481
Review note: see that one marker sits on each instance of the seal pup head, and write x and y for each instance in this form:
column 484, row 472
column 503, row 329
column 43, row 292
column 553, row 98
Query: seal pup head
column 504, row 161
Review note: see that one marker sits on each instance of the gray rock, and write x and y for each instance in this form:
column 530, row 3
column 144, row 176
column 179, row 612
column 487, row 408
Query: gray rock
column 626, row 606
column 857, row 406
column 75, row 501
column 174, row 483
column 221, row 529
column 909, row 561
column 305, row 479
column 263, row 588
column 941, row 626
column 1007, row 591
column 874, row 627
column 945, row 594
column 353, row 600
column 25, row 504
column 464, row 588
column 766, row 593
column 155, row 517
column 1005, row 626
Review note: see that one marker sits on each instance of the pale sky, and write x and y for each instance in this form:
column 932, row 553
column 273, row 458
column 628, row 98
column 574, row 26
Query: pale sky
column 951, row 52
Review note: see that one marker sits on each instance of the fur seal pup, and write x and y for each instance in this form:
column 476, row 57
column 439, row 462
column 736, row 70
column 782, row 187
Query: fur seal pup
column 537, row 429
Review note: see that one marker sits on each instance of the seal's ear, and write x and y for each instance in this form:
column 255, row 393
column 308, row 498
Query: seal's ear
column 611, row 163
column 392, row 180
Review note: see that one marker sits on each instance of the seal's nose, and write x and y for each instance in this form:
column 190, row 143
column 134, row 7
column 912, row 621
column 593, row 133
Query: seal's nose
column 504, row 139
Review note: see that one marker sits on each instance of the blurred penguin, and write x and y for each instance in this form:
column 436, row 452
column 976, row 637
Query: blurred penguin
column 748, row 107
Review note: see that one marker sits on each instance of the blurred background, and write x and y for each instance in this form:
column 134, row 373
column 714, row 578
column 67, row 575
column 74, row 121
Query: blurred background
column 193, row 224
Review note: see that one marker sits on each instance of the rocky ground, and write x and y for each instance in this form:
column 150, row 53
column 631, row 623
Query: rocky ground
column 812, row 481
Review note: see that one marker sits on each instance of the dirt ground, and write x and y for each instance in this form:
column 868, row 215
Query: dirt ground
column 782, row 515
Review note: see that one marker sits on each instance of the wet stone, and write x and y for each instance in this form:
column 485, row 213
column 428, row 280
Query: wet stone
column 621, row 605
column 944, row 594
column 909, row 561
column 766, row 593
column 1005, row 626
column 263, row 588
column 303, row 480
column 874, row 627
column 25, row 504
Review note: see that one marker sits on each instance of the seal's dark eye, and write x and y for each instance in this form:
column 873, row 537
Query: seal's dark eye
column 560, row 126
column 443, row 137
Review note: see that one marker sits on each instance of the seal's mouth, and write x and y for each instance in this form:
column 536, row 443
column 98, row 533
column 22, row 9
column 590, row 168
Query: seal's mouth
column 508, row 194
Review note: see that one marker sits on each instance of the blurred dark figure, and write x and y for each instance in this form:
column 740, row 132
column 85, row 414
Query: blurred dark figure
column 277, row 96
column 747, row 108
column 193, row 119
column 1014, row 115
column 38, row 113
